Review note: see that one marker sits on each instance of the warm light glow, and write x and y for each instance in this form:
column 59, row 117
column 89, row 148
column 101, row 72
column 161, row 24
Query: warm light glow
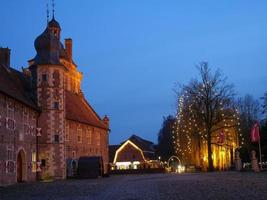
column 122, row 146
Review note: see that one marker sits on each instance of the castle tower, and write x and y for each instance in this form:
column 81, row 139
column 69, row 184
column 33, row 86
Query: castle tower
column 49, row 82
column 70, row 126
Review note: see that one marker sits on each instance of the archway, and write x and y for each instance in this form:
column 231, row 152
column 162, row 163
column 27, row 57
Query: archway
column 174, row 164
column 172, row 158
column 21, row 166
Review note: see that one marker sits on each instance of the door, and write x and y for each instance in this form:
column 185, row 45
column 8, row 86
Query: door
column 19, row 168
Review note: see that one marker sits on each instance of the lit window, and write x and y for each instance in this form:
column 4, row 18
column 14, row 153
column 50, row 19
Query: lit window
column 33, row 161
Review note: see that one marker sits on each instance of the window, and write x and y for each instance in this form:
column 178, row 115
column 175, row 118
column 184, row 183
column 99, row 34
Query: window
column 89, row 136
column 33, row 161
column 10, row 165
column 10, row 154
column 98, row 138
column 26, row 118
column 56, row 105
column 67, row 134
column 74, row 154
column 44, row 77
column 43, row 162
column 10, row 120
column 56, row 138
column 79, row 135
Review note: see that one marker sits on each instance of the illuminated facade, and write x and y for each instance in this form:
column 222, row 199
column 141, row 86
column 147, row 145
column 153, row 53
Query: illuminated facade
column 70, row 126
column 134, row 153
column 193, row 149
column 223, row 151
column 52, row 122
column 18, row 123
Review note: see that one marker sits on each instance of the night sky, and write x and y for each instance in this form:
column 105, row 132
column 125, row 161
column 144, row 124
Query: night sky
column 132, row 53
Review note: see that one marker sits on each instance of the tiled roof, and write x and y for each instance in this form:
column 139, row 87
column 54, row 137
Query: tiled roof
column 15, row 85
column 78, row 109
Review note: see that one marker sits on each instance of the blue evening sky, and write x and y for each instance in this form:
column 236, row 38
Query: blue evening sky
column 131, row 52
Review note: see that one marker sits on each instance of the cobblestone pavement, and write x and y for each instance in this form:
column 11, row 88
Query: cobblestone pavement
column 225, row 185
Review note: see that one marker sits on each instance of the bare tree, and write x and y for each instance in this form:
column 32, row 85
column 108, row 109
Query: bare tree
column 165, row 148
column 264, row 103
column 249, row 112
column 209, row 101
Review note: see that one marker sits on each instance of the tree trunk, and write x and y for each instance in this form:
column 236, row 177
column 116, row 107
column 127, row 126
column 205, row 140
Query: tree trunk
column 210, row 160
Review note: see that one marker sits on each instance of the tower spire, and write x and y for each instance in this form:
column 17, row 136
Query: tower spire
column 47, row 13
column 53, row 8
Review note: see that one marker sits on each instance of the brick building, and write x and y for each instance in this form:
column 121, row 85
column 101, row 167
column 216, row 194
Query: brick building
column 46, row 98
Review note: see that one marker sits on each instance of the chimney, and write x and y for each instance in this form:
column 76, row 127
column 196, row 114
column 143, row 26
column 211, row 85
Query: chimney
column 106, row 120
column 5, row 56
column 68, row 45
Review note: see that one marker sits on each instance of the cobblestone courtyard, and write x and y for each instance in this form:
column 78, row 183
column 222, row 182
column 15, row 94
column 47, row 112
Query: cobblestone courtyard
column 228, row 185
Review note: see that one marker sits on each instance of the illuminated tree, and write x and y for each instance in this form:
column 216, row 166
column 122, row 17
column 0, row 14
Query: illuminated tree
column 205, row 106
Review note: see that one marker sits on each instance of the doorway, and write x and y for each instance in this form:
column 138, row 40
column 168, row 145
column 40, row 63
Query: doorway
column 21, row 167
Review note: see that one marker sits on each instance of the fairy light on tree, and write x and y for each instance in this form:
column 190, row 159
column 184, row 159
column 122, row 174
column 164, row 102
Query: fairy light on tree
column 206, row 107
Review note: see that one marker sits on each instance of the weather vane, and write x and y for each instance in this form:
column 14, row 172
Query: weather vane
column 53, row 6
column 47, row 13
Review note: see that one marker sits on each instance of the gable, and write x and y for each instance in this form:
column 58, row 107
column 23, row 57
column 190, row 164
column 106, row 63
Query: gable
column 129, row 152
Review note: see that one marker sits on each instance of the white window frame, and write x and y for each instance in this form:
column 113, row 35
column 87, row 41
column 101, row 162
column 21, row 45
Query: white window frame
column 10, row 158
column 26, row 124
column 10, row 117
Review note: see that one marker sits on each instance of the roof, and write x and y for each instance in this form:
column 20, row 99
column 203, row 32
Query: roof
column 146, row 146
column 54, row 23
column 78, row 109
column 143, row 144
column 47, row 46
column 15, row 85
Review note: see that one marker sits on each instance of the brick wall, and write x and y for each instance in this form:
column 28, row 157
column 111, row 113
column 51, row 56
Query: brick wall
column 86, row 140
column 50, row 95
column 17, row 134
